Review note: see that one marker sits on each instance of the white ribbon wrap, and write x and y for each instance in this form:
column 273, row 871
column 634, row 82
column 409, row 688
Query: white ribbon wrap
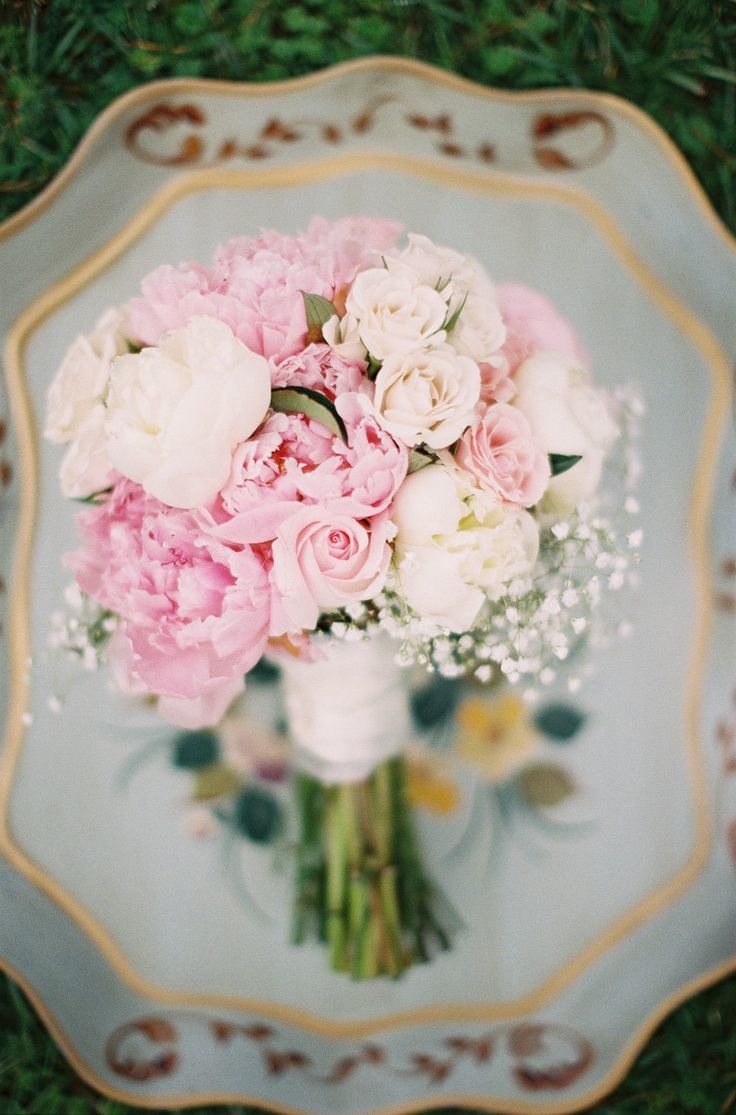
column 348, row 711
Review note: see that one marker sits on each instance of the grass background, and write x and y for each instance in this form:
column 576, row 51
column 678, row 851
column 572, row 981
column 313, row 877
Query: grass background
column 63, row 61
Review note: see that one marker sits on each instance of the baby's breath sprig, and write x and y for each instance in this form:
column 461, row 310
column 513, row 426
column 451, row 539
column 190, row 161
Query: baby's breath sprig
column 540, row 621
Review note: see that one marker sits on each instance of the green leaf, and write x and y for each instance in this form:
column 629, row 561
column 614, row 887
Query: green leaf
column 193, row 750
column 93, row 497
column 374, row 367
column 642, row 13
column 312, row 404
column 561, row 462
column 500, row 59
column 545, row 785
column 318, row 310
column 540, row 23
column 419, row 459
column 559, row 722
column 452, row 321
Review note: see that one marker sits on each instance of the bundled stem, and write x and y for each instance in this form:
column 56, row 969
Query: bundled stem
column 360, row 884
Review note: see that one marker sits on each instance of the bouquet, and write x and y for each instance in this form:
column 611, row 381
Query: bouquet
column 351, row 455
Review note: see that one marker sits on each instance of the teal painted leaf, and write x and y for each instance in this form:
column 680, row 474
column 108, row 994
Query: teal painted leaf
column 193, row 750
column 312, row 404
column 561, row 462
column 435, row 702
column 257, row 815
column 560, row 722
column 264, row 671
column 545, row 785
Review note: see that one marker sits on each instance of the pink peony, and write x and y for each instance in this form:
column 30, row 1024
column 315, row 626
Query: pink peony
column 171, row 297
column 322, row 369
column 256, row 284
column 194, row 613
column 340, row 249
column 361, row 477
column 323, row 560
column 500, row 451
column 532, row 325
column 264, row 486
column 294, row 460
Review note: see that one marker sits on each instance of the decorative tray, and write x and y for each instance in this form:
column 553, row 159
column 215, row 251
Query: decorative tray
column 161, row 962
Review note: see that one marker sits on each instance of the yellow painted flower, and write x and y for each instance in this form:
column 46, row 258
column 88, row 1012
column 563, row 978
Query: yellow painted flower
column 429, row 784
column 495, row 735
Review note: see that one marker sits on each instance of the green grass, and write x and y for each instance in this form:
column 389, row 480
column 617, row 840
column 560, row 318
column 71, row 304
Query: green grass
column 63, row 61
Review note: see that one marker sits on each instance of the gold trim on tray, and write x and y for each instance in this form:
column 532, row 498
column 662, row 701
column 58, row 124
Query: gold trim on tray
column 152, row 91
column 474, row 1101
column 680, row 316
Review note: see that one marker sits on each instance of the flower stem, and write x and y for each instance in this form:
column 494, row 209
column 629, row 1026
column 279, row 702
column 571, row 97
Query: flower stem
column 360, row 881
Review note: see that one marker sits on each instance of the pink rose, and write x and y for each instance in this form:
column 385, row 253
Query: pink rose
column 194, row 613
column 499, row 450
column 533, row 325
column 496, row 385
column 323, row 560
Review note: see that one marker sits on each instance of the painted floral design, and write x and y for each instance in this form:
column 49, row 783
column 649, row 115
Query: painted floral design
column 535, row 1056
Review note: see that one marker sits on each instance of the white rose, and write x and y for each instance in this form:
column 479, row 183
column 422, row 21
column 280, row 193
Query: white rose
column 427, row 396
column 176, row 412
column 569, row 415
column 479, row 331
column 431, row 264
column 81, row 381
column 458, row 277
column 391, row 313
column 86, row 466
column 429, row 504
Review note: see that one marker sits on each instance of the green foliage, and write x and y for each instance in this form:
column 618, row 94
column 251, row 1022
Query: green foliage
column 312, row 404
column 561, row 462
column 62, row 62
column 318, row 310
column 264, row 672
